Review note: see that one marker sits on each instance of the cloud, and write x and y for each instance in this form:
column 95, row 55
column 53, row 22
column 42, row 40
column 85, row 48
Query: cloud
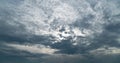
column 106, row 50
column 95, row 22
column 35, row 49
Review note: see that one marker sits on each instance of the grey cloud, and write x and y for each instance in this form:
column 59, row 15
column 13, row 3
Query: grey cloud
column 81, row 59
column 11, row 30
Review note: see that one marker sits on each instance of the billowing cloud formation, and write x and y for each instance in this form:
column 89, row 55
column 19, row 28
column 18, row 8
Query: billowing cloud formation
column 71, row 29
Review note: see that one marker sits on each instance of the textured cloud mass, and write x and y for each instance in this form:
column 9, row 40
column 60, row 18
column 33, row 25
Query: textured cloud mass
column 60, row 31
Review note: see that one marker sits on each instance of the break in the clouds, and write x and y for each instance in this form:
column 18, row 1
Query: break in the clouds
column 60, row 31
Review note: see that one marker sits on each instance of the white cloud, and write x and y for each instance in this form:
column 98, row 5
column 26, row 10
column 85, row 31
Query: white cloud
column 65, row 13
column 35, row 48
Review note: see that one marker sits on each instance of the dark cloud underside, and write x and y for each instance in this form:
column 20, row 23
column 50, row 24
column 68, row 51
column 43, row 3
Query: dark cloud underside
column 40, row 32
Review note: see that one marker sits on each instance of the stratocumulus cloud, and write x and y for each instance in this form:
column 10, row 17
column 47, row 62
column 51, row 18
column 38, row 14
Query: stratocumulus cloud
column 59, row 31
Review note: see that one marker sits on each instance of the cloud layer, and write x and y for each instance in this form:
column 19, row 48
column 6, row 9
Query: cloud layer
column 70, row 31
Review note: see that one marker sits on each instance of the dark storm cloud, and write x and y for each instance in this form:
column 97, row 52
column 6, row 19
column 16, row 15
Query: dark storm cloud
column 65, row 47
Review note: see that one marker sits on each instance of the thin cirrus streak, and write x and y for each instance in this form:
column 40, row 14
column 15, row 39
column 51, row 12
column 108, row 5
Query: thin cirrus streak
column 33, row 48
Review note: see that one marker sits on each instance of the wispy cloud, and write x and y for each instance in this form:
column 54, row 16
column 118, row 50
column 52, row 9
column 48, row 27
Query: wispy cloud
column 35, row 48
column 106, row 50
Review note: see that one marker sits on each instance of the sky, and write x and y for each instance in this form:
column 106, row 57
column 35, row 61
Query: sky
column 59, row 31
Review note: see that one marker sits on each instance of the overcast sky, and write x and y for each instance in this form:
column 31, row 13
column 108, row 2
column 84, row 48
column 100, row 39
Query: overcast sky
column 59, row 31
